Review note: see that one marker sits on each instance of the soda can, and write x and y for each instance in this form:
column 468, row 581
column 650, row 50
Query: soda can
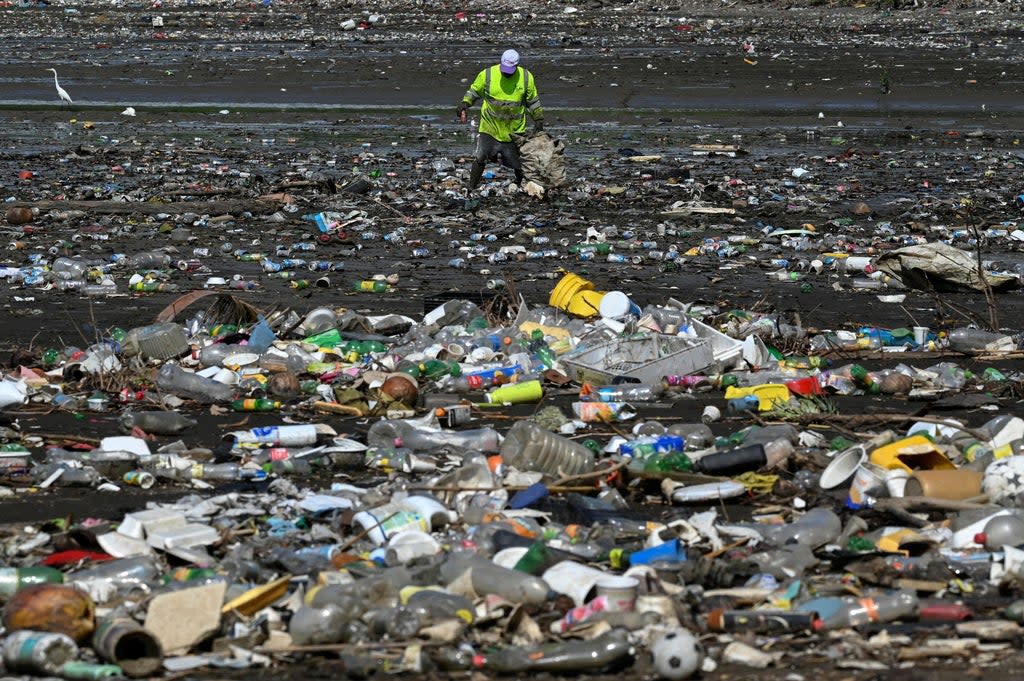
column 189, row 265
column 420, row 252
column 320, row 266
column 201, row 252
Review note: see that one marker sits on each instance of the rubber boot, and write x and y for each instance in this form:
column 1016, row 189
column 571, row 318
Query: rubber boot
column 475, row 173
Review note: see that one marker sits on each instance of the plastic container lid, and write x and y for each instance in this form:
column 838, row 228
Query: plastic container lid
column 615, row 305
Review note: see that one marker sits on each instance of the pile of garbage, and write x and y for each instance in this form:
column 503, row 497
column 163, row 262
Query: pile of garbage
column 665, row 498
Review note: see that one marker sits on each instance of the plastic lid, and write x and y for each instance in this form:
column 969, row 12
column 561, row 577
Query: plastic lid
column 614, row 305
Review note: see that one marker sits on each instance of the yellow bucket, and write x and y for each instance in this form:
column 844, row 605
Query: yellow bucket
column 585, row 303
column 568, row 286
column 910, row 454
column 768, row 394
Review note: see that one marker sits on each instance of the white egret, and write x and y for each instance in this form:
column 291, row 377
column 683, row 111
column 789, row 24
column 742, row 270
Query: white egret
column 61, row 92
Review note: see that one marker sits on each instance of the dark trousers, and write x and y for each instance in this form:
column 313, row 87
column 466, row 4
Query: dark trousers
column 490, row 149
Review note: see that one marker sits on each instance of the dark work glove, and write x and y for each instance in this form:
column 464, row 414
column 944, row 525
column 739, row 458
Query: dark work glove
column 538, row 126
column 460, row 112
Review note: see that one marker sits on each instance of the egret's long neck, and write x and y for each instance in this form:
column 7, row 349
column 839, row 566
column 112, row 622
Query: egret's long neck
column 56, row 84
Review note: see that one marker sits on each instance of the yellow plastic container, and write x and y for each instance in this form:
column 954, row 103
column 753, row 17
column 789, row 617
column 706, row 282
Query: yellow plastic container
column 576, row 295
column 915, row 453
column 568, row 286
column 768, row 395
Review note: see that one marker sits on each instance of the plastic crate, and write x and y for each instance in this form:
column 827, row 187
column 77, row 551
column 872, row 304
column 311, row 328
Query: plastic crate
column 644, row 358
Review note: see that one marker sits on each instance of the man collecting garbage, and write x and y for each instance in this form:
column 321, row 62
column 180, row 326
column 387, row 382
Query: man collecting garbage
column 509, row 92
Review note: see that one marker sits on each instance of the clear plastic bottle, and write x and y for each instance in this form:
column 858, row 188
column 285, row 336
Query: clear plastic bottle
column 490, row 578
column 884, row 607
column 969, row 340
column 629, row 393
column 67, row 268
column 149, row 260
column 608, row 650
column 176, row 380
column 213, row 355
column 420, row 437
column 817, row 527
column 315, row 625
column 528, row 446
column 156, row 422
column 35, row 652
column 130, row 572
column 224, row 471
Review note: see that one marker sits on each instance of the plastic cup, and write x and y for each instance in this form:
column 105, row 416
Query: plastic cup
column 921, row 334
column 481, row 355
column 517, row 393
column 843, row 466
column 868, row 481
column 455, row 352
column 896, row 482
column 711, row 414
column 619, row 591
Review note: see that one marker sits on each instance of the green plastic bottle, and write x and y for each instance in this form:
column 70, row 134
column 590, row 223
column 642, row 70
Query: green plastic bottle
column 863, row 378
column 13, row 580
column 255, row 405
column 669, row 462
column 370, row 286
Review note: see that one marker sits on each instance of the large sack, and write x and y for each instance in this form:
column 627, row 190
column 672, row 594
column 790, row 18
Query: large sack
column 941, row 267
column 543, row 159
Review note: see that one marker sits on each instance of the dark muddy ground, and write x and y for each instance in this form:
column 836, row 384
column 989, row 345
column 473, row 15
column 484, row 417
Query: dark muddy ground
column 235, row 103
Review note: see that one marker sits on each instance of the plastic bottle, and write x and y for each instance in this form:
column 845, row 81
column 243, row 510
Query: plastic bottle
column 149, row 260
column 370, row 286
column 176, row 380
column 255, row 405
column 482, row 380
column 971, row 340
column 134, row 571
column 817, row 527
column 213, row 355
column 528, row 446
column 433, row 605
column 608, row 650
column 885, row 607
column 67, row 268
column 489, row 578
column 224, row 471
column 629, row 393
column 316, row 625
column 156, row 422
column 36, row 652
column 421, row 438
column 732, row 462
column 1000, row 531
column 13, row 580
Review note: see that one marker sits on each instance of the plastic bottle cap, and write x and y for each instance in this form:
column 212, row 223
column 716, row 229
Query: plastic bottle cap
column 980, row 538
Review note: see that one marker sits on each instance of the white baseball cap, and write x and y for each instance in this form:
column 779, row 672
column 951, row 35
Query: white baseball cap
column 509, row 62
